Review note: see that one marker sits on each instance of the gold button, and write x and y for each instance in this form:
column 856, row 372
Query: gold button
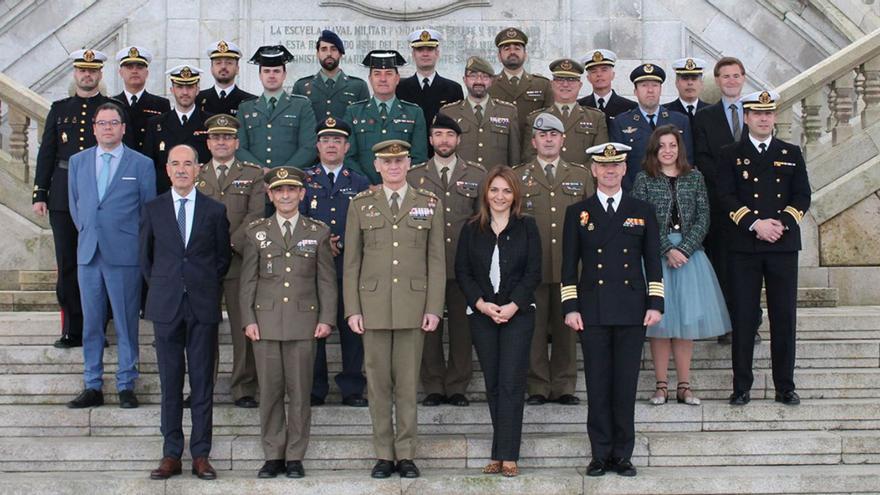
column 287, row 269
column 778, row 180
column 480, row 129
column 448, row 224
column 81, row 138
column 222, row 193
column 448, row 240
column 384, row 131
column 285, row 299
column 85, row 106
column 553, row 241
column 395, row 262
column 311, row 308
column 599, row 250
column 480, row 145
column 599, row 266
column 448, row 193
column 779, row 195
column 332, row 209
column 395, row 243
column 83, row 113
column 332, row 222
column 625, row 250
column 269, row 255
column 258, row 306
column 601, row 282
column 552, row 194
column 447, row 209
column 626, row 265
column 755, row 179
column 778, row 211
column 553, row 225
column 552, row 208
column 268, row 161
column 269, row 138
column 564, row 148
column 480, row 159
column 82, row 130
column 329, row 101
column 268, row 150
column 626, row 282
column 268, row 126
column 287, row 255
column 756, row 195
column 287, row 284
column 755, row 212
column 394, row 280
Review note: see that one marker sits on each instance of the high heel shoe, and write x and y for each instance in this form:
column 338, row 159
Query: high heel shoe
column 684, row 395
column 510, row 471
column 659, row 400
column 493, row 467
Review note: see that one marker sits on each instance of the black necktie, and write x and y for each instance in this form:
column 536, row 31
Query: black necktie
column 222, row 94
column 548, row 169
column 184, row 119
column 425, row 83
column 610, row 208
column 565, row 112
column 601, row 104
column 690, row 109
column 134, row 100
column 330, row 83
column 651, row 121
column 383, row 110
column 478, row 112
column 514, row 81
column 288, row 233
column 221, row 179
column 395, row 206
column 762, row 148
column 332, row 177
column 272, row 102
column 444, row 177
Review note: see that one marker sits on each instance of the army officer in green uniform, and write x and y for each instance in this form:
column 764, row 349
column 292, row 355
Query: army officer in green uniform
column 331, row 90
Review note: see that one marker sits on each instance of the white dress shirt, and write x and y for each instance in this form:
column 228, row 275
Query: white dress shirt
column 603, row 199
column 189, row 208
column 188, row 114
column 128, row 95
column 400, row 192
column 293, row 220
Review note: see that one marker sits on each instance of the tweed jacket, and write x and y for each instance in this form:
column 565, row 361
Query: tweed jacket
column 693, row 207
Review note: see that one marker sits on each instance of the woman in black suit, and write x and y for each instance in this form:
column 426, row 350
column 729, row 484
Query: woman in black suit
column 498, row 266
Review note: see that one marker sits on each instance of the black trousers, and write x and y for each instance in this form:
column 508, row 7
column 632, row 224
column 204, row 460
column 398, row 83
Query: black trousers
column 503, row 351
column 612, row 358
column 778, row 272
column 352, row 380
column 65, row 235
column 186, row 343
column 715, row 244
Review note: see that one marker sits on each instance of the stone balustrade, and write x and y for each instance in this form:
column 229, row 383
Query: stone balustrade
column 22, row 108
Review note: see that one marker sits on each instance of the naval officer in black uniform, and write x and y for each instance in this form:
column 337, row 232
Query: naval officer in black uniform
column 224, row 96
column 138, row 103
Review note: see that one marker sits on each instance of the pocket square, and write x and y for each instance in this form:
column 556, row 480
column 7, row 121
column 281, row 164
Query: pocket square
column 129, row 178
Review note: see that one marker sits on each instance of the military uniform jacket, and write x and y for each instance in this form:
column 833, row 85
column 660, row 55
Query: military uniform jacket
column 244, row 195
column 68, row 131
column 532, row 92
column 285, row 137
column 615, row 105
column 394, row 269
column 165, row 132
column 439, row 93
column 331, row 101
column 547, row 203
column 584, row 128
column 210, row 103
column 495, row 140
column 460, row 200
column 676, row 106
column 329, row 204
column 611, row 251
column 752, row 186
column 288, row 290
column 147, row 106
column 405, row 121
column 632, row 129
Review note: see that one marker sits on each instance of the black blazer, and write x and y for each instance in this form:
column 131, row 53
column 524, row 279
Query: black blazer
column 711, row 132
column 615, row 105
column 172, row 270
column 676, row 106
column 439, row 93
column 210, row 103
column 165, row 132
column 149, row 105
column 519, row 251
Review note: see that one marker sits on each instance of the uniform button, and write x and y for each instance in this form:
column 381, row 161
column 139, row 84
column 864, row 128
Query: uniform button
column 626, row 282
column 285, row 299
column 222, row 193
column 755, row 212
column 480, row 130
column 480, row 159
column 394, row 280
column 82, row 130
column 328, row 102
column 779, row 195
column 553, row 225
column 395, row 243
column 553, row 241
column 332, row 209
column 287, row 255
column 448, row 193
column 599, row 250
column 625, row 250
column 269, row 138
column 756, row 195
column 81, row 148
column 258, row 306
column 85, row 106
column 268, row 150
column 394, row 227
column 756, row 179
column 778, row 180
column 83, row 122
column 82, row 138
column 395, row 262
column 448, row 224
column 384, row 131
column 269, row 256
column 311, row 308
column 447, row 209
column 287, row 284
column 552, row 194
column 480, row 145
column 83, row 113
column 450, row 240
column 599, row 266
column 778, row 211
column 564, row 148
column 552, row 208
column 332, row 222
column 268, row 126
column 626, row 265
column 601, row 282
column 287, row 269
column 269, row 161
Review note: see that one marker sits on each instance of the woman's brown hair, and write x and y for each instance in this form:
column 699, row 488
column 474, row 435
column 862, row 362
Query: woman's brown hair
column 484, row 216
column 652, row 165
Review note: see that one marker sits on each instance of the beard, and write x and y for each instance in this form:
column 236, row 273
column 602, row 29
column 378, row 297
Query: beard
column 445, row 152
column 329, row 63
column 512, row 62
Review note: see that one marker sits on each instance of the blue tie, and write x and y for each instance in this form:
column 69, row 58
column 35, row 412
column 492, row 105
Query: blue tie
column 104, row 177
column 181, row 219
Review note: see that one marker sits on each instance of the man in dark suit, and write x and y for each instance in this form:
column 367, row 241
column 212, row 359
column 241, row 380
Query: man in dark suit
column 611, row 235
column 184, row 239
column 185, row 124
column 689, row 83
column 137, row 102
column 224, row 97
column 600, row 72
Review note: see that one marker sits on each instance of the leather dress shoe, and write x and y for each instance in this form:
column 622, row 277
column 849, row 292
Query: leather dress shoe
column 202, row 468
column 568, row 400
column 87, row 398
column 459, row 400
column 355, row 400
column 127, row 399
column 67, row 342
column 382, row 469
column 272, row 468
column 739, row 398
column 536, row 400
column 596, row 468
column 624, row 467
column 168, row 467
column 317, row 401
column 432, row 400
column 295, row 469
column 187, row 402
column 407, row 469
column 790, row 398
column 246, row 402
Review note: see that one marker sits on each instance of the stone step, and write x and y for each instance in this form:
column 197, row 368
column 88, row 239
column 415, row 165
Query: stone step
column 37, row 280
column 28, row 300
column 812, row 297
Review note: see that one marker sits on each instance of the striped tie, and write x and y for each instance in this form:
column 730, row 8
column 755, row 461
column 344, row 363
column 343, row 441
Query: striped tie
column 181, row 219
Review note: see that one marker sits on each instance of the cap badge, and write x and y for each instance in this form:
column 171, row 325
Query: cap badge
column 186, row 72
column 597, row 56
column 395, row 148
column 690, row 64
column 511, row 33
column 648, row 68
column 610, row 151
column 425, row 36
column 223, row 121
column 764, row 98
column 539, row 122
column 281, row 174
column 222, row 47
column 133, row 52
column 565, row 65
column 331, row 122
column 89, row 56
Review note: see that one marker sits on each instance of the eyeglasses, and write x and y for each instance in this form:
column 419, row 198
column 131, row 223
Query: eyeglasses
column 222, row 137
column 478, row 76
column 106, row 123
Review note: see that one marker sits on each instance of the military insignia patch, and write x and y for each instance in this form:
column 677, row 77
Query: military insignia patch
column 133, row 52
column 764, row 98
column 511, row 33
column 747, row 161
column 331, row 122
column 649, row 68
column 89, row 56
column 591, row 227
column 64, row 137
column 161, row 145
column 281, row 174
column 222, row 47
column 565, row 65
column 425, row 36
column 585, row 218
column 690, row 65
column 186, row 72
column 745, row 174
column 261, row 235
column 597, row 56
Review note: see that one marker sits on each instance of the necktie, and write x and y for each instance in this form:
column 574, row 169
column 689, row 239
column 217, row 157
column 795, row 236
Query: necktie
column 651, row 121
column 734, row 119
column 134, row 100
column 383, row 111
column 565, row 112
column 330, row 83
column 478, row 112
column 425, row 83
column 181, row 219
column 221, row 179
column 762, row 148
column 288, row 233
column 332, row 177
column 272, row 102
column 184, row 119
column 395, row 207
column 104, row 176
column 548, row 169
column 601, row 104
column 610, row 208
column 222, row 94
column 690, row 109
column 514, row 81
column 444, row 177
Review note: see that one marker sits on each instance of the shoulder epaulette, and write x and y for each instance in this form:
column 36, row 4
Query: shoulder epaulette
column 316, row 222
column 536, row 112
column 475, row 165
column 425, row 192
column 300, row 96
column 418, row 165
column 404, row 102
column 256, row 222
column 363, row 194
column 249, row 164
column 579, row 165
column 306, row 78
column 499, row 101
column 452, row 104
column 540, row 76
column 365, row 100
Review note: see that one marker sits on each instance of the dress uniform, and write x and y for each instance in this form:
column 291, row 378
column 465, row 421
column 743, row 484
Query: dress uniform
column 613, row 104
column 611, row 237
column 394, row 277
column 584, row 127
column 546, row 197
column 528, row 92
column 172, row 128
column 763, row 179
column 328, row 194
column 459, row 187
column 687, row 68
column 239, row 186
column 402, row 120
column 276, row 133
column 139, row 107
column 68, row 131
column 288, row 289
column 217, row 100
column 330, row 96
column 492, row 136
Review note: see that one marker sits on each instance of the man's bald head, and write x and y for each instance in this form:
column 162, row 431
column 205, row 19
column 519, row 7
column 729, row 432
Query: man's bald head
column 182, row 168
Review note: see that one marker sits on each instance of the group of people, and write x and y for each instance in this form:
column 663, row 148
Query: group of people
column 532, row 219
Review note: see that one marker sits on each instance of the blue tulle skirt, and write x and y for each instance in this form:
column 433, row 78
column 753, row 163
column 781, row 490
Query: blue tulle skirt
column 694, row 306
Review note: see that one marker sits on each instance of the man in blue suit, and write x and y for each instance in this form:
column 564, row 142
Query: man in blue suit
column 108, row 186
column 185, row 253
column 634, row 127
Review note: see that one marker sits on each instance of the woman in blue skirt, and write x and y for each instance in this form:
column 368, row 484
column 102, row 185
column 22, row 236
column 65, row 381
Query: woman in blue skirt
column 694, row 306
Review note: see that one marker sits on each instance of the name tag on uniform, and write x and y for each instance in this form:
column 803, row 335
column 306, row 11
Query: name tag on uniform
column 585, row 124
column 307, row 246
column 421, row 213
column 403, row 121
column 535, row 92
column 242, row 183
column 468, row 186
column 634, row 222
column 573, row 187
column 502, row 121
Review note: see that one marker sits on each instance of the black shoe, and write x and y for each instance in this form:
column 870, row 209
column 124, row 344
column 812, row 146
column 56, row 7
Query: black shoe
column 596, row 468
column 568, row 400
column 536, row 400
column 355, row 400
column 87, row 398
column 739, row 398
column 459, row 400
column 407, row 469
column 382, row 469
column 790, row 398
column 187, row 402
column 758, row 338
column 317, row 401
column 432, row 400
column 67, row 342
column 725, row 339
column 246, row 402
column 625, row 468
column 295, row 469
column 271, row 468
column 127, row 399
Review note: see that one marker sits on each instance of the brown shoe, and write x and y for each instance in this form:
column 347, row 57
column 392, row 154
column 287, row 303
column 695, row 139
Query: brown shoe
column 509, row 471
column 493, row 467
column 168, row 467
column 202, row 468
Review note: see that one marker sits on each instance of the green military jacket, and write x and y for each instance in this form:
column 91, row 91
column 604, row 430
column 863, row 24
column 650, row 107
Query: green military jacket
column 331, row 101
column 493, row 141
column 584, row 128
column 284, row 137
column 531, row 93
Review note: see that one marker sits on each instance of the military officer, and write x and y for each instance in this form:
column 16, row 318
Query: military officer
column 276, row 129
column 239, row 186
column 764, row 188
column 184, row 124
column 457, row 181
column 634, row 127
column 528, row 92
column 330, row 186
column 489, row 127
column 138, row 103
column 689, row 83
column 384, row 116
column 611, row 236
column 68, row 131
column 331, row 90
column 288, row 299
column 550, row 184
column 599, row 65
column 394, row 280
column 584, row 127
column 225, row 96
